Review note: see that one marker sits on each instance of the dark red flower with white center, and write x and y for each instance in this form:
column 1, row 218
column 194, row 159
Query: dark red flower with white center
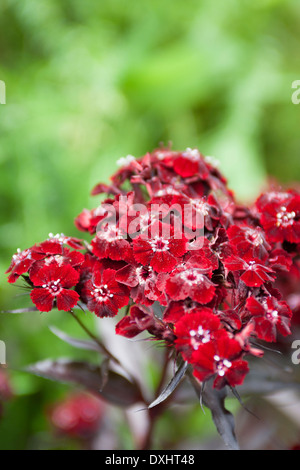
column 221, row 358
column 53, row 284
column 142, row 281
column 74, row 258
column 53, row 248
column 249, row 241
column 194, row 330
column 103, row 294
column 137, row 223
column 280, row 216
column 198, row 212
column 162, row 251
column 21, row 263
column 269, row 316
column 110, row 242
column 189, row 282
column 54, row 245
column 255, row 274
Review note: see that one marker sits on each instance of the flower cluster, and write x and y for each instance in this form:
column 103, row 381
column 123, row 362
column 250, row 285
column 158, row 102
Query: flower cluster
column 195, row 269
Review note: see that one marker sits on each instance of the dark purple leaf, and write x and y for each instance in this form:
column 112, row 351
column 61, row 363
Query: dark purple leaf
column 114, row 388
column 215, row 401
column 172, row 385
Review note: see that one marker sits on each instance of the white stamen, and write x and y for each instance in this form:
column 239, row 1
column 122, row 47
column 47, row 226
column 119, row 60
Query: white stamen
column 124, row 161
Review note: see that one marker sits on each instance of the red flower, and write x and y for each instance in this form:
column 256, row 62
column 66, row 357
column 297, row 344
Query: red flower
column 190, row 163
column 21, row 263
column 103, row 294
column 280, row 216
column 194, row 330
column 141, row 319
column 53, row 283
column 176, row 310
column 142, row 281
column 255, row 274
column 198, row 212
column 269, row 316
column 249, row 241
column 53, row 249
column 133, row 324
column 55, row 243
column 78, row 416
column 162, row 252
column 171, row 239
column 220, row 358
column 111, row 242
column 189, row 282
column 87, row 221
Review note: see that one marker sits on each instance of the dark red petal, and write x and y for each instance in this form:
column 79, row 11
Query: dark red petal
column 254, row 306
column 178, row 247
column 235, row 375
column 265, row 329
column 142, row 251
column 186, row 167
column 234, row 263
column 68, row 276
column 66, row 299
column 127, row 327
column 42, row 299
column 163, row 262
column 252, row 279
column 127, row 275
column 50, row 247
column 204, row 292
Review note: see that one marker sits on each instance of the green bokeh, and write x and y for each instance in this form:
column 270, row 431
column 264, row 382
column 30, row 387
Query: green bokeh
column 89, row 82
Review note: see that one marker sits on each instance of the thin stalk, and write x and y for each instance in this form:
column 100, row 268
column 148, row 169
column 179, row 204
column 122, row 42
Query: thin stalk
column 94, row 338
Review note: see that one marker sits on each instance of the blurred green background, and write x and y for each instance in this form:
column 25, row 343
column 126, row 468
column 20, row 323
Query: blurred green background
column 90, row 82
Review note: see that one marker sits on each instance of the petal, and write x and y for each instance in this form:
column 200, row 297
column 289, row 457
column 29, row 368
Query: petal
column 67, row 299
column 127, row 276
column 68, row 276
column 163, row 262
column 42, row 299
